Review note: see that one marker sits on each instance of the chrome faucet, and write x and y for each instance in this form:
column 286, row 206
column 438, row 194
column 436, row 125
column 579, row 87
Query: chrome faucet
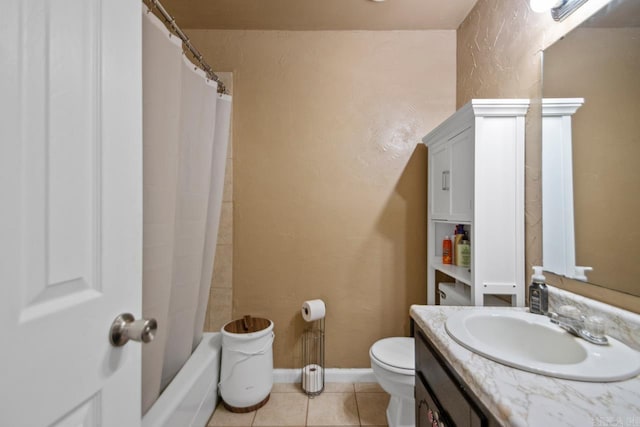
column 570, row 319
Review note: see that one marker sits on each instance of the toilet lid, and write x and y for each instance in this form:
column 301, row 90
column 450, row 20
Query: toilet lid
column 397, row 352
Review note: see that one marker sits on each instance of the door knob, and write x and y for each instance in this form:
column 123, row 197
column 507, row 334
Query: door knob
column 125, row 327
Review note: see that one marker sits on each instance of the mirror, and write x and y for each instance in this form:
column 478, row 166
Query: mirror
column 597, row 66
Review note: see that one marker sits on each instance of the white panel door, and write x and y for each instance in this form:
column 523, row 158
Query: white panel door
column 71, row 211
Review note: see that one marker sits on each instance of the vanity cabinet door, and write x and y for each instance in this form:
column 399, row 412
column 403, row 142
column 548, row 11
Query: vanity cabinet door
column 455, row 405
column 428, row 413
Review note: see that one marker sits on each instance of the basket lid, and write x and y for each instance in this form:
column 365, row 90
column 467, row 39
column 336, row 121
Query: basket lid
column 247, row 325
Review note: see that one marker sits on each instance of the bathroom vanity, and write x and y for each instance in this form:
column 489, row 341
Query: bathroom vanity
column 455, row 386
column 442, row 398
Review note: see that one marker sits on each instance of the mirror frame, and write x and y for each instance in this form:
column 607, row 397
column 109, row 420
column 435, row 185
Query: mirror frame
column 558, row 233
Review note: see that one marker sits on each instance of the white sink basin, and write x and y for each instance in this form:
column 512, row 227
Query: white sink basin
column 532, row 343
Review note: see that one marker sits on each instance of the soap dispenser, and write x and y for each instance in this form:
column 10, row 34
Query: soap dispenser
column 538, row 293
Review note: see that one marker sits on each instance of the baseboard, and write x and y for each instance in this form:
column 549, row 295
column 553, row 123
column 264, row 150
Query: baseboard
column 331, row 375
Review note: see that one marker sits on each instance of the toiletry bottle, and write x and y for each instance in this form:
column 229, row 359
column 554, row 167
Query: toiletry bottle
column 453, row 247
column 446, row 250
column 456, row 242
column 464, row 253
column 538, row 293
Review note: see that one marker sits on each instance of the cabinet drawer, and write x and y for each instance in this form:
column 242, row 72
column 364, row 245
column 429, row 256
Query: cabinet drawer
column 455, row 405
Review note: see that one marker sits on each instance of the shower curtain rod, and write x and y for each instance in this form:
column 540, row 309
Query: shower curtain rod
column 171, row 22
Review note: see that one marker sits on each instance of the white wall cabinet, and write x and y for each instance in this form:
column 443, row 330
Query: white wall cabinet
column 476, row 178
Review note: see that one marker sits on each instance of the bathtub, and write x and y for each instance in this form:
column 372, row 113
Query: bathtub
column 191, row 397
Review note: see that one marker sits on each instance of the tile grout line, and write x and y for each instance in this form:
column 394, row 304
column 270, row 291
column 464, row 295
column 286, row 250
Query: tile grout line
column 355, row 396
column 255, row 413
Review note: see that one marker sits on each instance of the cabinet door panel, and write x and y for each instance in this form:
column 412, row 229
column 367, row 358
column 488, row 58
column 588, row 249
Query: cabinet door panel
column 454, row 405
column 440, row 181
column 448, row 394
column 462, row 175
column 427, row 410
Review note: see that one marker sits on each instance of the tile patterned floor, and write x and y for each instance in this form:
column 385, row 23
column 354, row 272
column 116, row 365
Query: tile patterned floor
column 339, row 405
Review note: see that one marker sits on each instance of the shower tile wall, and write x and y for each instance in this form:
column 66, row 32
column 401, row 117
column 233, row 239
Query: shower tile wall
column 220, row 296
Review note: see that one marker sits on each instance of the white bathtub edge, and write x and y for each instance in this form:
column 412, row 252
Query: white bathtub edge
column 192, row 395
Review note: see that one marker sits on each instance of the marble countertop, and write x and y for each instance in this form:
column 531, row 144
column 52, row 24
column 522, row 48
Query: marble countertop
column 520, row 398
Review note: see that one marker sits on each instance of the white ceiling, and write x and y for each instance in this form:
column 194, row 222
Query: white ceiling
column 319, row 14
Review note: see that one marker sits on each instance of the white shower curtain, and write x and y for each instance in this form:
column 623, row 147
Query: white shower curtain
column 218, row 163
column 186, row 131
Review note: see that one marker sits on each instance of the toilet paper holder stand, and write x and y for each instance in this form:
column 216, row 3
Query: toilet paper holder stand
column 313, row 358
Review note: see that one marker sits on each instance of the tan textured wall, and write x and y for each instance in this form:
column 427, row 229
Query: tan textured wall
column 499, row 56
column 329, row 183
column 601, row 65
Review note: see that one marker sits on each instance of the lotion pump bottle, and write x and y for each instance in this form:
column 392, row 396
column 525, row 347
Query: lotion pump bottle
column 538, row 293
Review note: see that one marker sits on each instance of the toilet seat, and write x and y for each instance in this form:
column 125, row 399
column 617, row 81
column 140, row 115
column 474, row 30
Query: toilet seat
column 395, row 354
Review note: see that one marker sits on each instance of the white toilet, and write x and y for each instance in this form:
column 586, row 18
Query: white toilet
column 393, row 364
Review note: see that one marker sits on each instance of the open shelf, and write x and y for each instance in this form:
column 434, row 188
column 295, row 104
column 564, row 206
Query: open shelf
column 459, row 273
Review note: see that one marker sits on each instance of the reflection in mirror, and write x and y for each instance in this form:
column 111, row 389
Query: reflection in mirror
column 600, row 62
column 558, row 234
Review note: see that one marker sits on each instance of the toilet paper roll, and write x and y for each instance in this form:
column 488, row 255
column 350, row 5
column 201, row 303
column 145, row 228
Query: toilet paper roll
column 312, row 378
column 313, row 310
